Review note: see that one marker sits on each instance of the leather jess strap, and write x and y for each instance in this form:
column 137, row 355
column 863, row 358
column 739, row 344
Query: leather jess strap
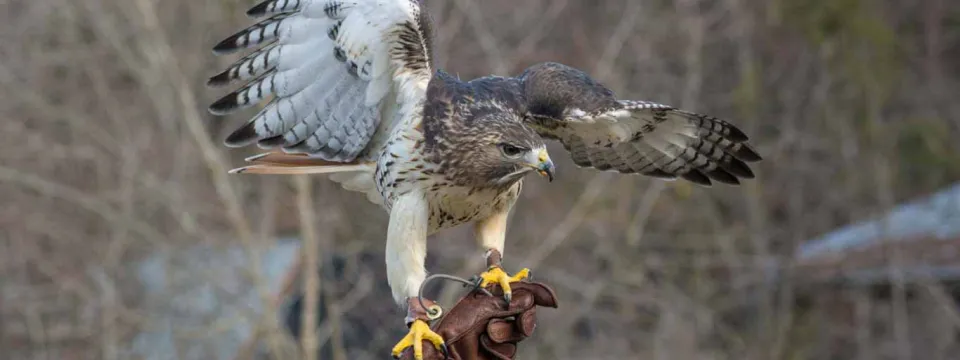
column 417, row 311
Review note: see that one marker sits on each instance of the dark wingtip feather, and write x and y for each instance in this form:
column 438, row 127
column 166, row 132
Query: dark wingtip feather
column 697, row 177
column 738, row 168
column 220, row 79
column 224, row 105
column 260, row 9
column 272, row 142
column 723, row 176
column 746, row 153
column 736, row 135
column 228, row 45
column 298, row 148
column 243, row 136
column 660, row 174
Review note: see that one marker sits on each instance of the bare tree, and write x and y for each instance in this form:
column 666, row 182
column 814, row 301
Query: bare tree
column 108, row 161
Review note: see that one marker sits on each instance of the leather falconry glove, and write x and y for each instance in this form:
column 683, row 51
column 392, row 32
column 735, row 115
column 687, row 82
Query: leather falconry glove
column 483, row 327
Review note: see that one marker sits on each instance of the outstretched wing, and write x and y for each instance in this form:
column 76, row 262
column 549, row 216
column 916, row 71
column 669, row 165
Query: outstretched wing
column 606, row 133
column 341, row 74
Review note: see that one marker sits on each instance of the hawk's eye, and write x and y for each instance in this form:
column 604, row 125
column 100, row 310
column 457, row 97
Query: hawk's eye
column 511, row 151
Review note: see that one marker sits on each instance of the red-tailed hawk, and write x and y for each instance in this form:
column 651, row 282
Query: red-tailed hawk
column 356, row 95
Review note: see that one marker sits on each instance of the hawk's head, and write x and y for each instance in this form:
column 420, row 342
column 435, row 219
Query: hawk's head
column 497, row 149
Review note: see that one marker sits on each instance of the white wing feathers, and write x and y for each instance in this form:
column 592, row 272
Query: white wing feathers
column 339, row 72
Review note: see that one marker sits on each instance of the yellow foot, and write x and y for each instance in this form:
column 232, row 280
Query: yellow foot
column 496, row 275
column 419, row 331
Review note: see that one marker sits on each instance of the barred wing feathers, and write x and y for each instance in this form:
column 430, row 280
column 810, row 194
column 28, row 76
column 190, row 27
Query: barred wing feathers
column 340, row 73
column 606, row 133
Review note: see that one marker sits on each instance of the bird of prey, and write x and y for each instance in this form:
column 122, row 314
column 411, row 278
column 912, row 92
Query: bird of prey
column 354, row 94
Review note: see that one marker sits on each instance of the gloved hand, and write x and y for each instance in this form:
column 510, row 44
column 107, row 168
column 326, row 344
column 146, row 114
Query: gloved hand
column 482, row 327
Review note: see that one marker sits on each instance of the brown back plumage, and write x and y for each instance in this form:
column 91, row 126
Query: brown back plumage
column 556, row 101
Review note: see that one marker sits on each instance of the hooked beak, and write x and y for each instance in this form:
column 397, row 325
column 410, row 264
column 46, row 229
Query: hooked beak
column 543, row 164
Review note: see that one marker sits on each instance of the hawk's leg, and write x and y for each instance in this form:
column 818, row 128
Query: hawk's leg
column 418, row 320
column 491, row 233
column 405, row 254
column 496, row 275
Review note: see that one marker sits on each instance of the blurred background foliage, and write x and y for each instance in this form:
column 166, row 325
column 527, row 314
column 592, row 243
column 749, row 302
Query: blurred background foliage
column 108, row 157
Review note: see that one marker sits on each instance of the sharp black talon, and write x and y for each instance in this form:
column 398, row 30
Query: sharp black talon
column 445, row 350
column 508, row 297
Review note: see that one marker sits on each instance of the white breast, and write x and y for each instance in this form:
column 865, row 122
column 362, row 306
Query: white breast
column 453, row 206
column 403, row 167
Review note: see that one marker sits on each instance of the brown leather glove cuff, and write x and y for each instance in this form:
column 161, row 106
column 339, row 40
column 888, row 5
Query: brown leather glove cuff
column 415, row 311
column 483, row 327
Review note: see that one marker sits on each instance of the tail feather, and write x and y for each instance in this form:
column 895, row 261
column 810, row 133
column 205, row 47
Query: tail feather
column 297, row 164
column 294, row 170
column 283, row 159
column 354, row 176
